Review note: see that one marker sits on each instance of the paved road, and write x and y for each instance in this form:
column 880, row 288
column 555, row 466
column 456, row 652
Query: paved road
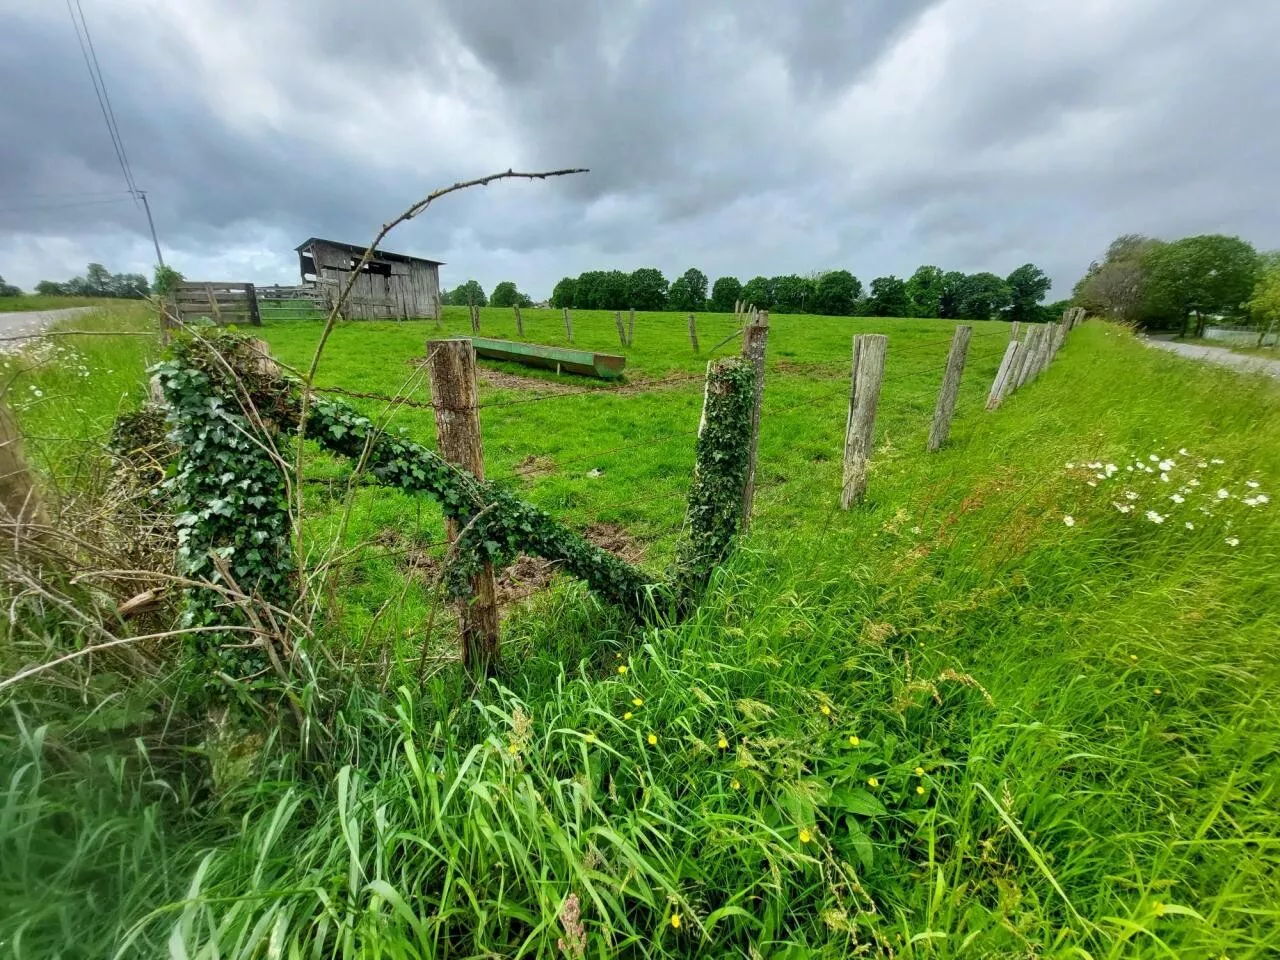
column 17, row 324
column 1218, row 355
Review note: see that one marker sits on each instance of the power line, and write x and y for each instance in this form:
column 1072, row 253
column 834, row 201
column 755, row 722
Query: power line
column 99, row 91
column 63, row 206
column 128, row 170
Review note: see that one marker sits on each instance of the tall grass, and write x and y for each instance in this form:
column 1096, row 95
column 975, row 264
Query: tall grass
column 945, row 724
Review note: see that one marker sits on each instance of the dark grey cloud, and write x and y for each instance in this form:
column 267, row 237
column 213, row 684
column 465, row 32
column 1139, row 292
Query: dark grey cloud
column 752, row 137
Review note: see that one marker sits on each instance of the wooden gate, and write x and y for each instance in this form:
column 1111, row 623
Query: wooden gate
column 220, row 302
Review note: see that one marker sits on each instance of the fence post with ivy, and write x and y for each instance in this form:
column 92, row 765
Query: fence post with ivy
column 755, row 340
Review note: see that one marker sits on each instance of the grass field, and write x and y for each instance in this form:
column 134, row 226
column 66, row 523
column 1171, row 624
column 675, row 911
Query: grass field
column 1020, row 703
column 36, row 301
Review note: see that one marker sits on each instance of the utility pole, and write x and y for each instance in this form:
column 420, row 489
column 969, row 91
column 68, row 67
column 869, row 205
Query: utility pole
column 152, row 224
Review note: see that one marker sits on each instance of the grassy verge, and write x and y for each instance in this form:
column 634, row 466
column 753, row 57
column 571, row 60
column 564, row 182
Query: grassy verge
column 1022, row 702
column 37, row 301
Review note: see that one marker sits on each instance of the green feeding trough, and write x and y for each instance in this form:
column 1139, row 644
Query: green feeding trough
column 606, row 366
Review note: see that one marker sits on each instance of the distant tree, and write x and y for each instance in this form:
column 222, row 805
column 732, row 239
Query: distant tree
column 924, row 292
column 1027, row 287
column 611, row 291
column 836, row 293
column 688, row 291
column 8, row 289
column 1052, row 312
column 982, row 296
column 647, row 289
column 51, row 288
column 1264, row 305
column 469, row 293
column 129, row 286
column 1204, row 276
column 166, row 279
column 889, row 297
column 759, row 290
column 1115, row 286
column 504, row 294
column 563, row 294
column 725, row 292
column 589, row 292
column 792, row 294
column 953, row 282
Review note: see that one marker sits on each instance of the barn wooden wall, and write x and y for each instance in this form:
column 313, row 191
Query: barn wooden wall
column 412, row 290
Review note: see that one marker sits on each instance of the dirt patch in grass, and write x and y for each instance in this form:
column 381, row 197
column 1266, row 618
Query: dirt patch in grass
column 535, row 466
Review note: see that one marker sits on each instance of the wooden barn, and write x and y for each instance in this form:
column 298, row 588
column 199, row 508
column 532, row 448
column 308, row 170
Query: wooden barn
column 390, row 284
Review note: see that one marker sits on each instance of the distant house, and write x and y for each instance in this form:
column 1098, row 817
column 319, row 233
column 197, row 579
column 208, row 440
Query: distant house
column 390, row 284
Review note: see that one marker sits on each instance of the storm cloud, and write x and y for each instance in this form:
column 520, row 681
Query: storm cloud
column 748, row 138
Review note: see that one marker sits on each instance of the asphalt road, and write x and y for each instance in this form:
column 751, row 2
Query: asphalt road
column 1220, row 356
column 18, row 324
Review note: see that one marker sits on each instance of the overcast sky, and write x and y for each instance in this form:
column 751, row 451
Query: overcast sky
column 752, row 137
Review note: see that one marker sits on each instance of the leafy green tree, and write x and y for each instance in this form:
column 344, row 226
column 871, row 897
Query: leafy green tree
column 1209, row 275
column 505, row 294
column 166, row 279
column 688, row 291
column 51, row 288
column 792, row 294
column 836, row 293
column 924, row 292
column 725, row 292
column 129, row 286
column 8, row 289
column 982, row 296
column 1114, row 287
column 611, row 291
column 564, row 293
column 590, row 293
column 889, row 297
column 759, row 291
column 1027, row 287
column 1264, row 305
column 953, row 282
column 647, row 289
column 469, row 293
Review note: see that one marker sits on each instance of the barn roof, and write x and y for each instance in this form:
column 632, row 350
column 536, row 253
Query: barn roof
column 358, row 251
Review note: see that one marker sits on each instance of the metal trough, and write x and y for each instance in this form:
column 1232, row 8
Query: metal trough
column 606, row 366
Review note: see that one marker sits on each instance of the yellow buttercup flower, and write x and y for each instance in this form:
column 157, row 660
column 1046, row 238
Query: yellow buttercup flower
column 627, row 715
column 826, row 711
column 872, row 782
column 919, row 771
column 622, row 668
column 805, row 835
column 653, row 739
column 723, row 744
column 590, row 738
column 920, row 790
column 735, row 784
column 637, row 702
column 1157, row 691
column 854, row 741
column 675, row 921
column 1133, row 657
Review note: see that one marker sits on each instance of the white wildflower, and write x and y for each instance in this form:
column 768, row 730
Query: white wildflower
column 1251, row 484
column 1223, row 493
column 1069, row 520
column 1111, row 468
column 1094, row 466
column 1177, row 498
column 38, row 393
column 1217, row 461
column 1071, row 466
column 1154, row 517
column 1164, row 478
column 1262, row 498
column 1189, row 525
column 1167, row 465
column 1122, row 507
column 1233, row 541
column 1092, row 483
column 1129, row 468
column 915, row 530
column 1182, row 452
column 1193, row 482
column 1130, row 495
column 1101, row 476
column 1153, row 458
column 1255, row 501
column 1202, row 464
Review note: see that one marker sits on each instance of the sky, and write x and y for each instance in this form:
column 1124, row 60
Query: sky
column 747, row 137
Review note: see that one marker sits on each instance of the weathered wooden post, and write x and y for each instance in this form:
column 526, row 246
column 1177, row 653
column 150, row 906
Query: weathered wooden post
column 869, row 351
column 1014, row 328
column 631, row 328
column 519, row 320
column 755, row 338
column 19, row 497
column 1025, row 358
column 693, row 333
column 568, row 325
column 1000, row 384
column 622, row 331
column 940, row 429
column 451, row 365
column 714, row 514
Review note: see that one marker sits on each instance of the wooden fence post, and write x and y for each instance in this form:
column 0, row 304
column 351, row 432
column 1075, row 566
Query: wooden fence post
column 451, row 365
column 1000, row 384
column 519, row 320
column 693, row 333
column 940, row 429
column 869, row 351
column 568, row 325
column 622, row 331
column 1025, row 357
column 1014, row 328
column 631, row 328
column 755, row 338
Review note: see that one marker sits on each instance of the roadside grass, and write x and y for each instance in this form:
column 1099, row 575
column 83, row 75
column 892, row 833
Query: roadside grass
column 945, row 723
column 38, row 301
column 1270, row 351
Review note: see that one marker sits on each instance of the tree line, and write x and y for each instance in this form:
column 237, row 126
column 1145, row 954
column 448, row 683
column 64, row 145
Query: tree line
column 1182, row 284
column 97, row 281
column 929, row 292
